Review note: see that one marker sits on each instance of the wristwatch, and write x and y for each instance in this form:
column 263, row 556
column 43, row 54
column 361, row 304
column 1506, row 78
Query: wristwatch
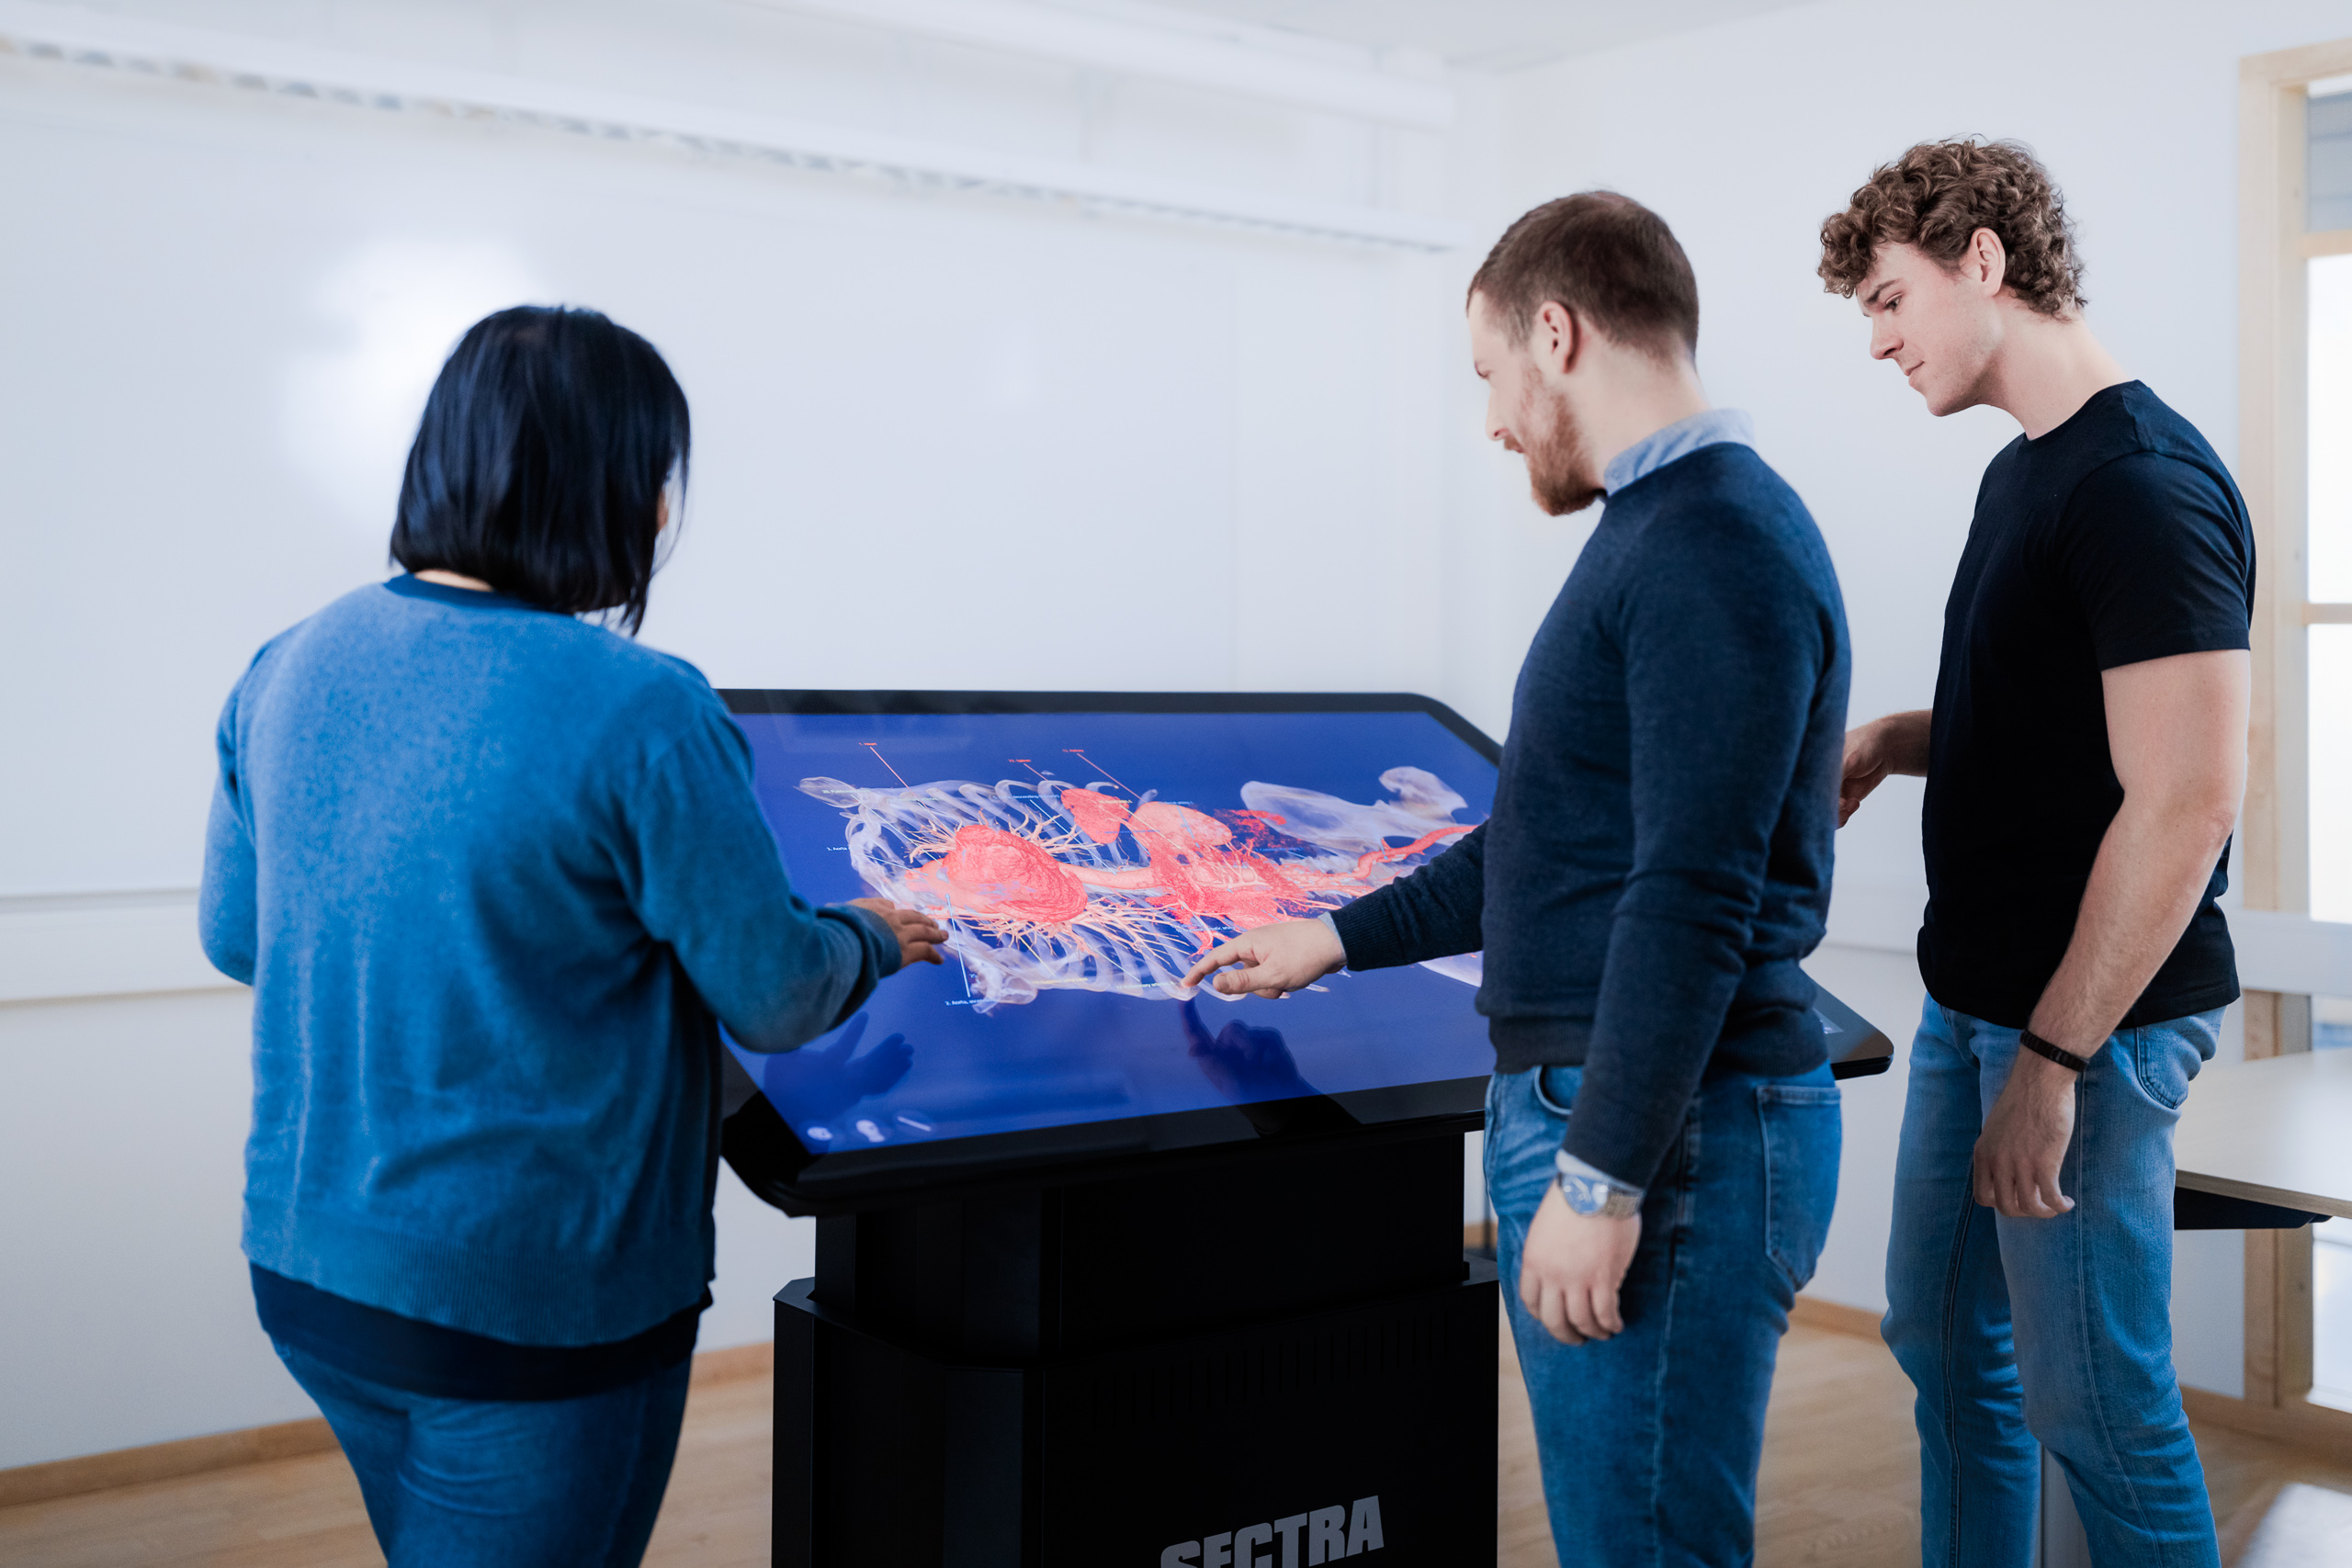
column 1596, row 1197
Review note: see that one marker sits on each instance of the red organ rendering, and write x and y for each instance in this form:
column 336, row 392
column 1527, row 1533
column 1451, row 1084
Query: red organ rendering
column 1043, row 883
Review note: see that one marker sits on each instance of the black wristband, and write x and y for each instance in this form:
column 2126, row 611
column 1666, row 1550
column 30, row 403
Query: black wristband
column 2058, row 1053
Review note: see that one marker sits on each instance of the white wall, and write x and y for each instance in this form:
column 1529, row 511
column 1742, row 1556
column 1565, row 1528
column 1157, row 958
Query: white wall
column 1014, row 446
column 940, row 441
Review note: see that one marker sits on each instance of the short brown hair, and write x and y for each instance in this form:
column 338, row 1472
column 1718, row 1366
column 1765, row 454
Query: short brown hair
column 1936, row 196
column 1604, row 256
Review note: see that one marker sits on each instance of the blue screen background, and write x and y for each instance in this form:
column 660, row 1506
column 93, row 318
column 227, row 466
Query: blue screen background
column 919, row 1063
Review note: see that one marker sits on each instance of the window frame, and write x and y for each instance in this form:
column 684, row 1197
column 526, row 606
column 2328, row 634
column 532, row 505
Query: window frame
column 2274, row 863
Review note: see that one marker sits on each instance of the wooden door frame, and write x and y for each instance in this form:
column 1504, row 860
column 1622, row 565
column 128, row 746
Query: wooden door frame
column 2274, row 858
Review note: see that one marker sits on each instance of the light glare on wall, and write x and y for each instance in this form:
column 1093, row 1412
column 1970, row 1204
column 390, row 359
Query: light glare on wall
column 386, row 319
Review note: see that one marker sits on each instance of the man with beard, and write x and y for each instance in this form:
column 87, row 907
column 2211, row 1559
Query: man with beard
column 1657, row 864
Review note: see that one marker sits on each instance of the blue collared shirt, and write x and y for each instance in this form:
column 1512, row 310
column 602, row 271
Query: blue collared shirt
column 1681, row 439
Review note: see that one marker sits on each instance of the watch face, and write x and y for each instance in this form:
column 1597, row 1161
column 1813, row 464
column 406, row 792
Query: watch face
column 1584, row 1196
column 1587, row 1196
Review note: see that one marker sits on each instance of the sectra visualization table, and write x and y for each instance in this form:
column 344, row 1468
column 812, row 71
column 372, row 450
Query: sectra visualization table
column 1103, row 1276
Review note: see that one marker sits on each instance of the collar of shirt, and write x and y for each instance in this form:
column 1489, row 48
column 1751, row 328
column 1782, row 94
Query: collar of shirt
column 1681, row 439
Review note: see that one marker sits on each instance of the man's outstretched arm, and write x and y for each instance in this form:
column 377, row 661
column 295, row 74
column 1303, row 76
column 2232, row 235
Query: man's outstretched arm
column 1432, row 913
column 1896, row 744
column 2177, row 734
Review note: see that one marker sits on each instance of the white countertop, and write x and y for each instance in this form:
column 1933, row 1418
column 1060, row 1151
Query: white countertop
column 2277, row 1130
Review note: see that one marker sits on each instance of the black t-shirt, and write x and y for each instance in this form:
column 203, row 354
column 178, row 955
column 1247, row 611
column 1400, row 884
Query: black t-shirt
column 2115, row 538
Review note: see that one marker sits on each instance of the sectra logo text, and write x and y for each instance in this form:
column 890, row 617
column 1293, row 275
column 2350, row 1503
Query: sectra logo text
column 1326, row 1534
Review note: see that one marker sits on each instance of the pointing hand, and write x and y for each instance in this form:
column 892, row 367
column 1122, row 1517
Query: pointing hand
column 1274, row 961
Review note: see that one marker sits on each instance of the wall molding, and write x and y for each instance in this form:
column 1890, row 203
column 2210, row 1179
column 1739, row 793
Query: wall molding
column 1880, row 917
column 2277, row 950
column 259, row 1445
column 59, row 947
column 273, row 68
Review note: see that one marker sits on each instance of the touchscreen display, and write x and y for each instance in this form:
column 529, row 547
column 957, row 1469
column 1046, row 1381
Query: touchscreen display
column 1081, row 862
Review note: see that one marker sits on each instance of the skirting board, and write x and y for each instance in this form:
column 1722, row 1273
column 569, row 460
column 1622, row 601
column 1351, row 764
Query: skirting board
column 1836, row 1317
column 2326, row 1431
column 257, row 1445
column 162, row 1462
column 2312, row 1427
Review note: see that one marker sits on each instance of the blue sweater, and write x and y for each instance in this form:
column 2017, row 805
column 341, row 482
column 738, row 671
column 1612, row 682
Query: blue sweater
column 1659, row 857
column 491, row 872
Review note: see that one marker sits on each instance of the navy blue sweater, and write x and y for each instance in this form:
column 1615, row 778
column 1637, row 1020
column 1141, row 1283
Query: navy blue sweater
column 1659, row 857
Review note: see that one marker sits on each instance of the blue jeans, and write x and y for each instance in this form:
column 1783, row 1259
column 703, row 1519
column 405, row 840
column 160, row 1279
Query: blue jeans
column 1649, row 1442
column 548, row 1483
column 2060, row 1330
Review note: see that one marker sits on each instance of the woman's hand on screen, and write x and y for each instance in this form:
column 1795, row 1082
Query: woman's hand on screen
column 920, row 941
column 1275, row 960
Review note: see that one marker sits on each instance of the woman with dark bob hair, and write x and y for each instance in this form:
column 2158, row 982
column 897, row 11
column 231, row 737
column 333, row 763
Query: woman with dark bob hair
column 496, row 875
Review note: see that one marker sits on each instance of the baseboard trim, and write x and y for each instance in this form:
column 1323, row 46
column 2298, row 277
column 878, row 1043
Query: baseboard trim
column 162, row 1462
column 735, row 1361
column 1835, row 1317
column 258, row 1445
column 2315, row 1426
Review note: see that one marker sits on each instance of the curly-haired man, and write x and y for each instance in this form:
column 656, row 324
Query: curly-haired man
column 2085, row 758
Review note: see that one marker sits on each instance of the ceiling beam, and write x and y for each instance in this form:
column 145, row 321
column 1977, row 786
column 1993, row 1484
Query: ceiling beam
column 1166, row 54
column 300, row 71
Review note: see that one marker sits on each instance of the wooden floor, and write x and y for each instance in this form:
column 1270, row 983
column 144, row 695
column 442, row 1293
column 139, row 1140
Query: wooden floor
column 1840, row 1490
column 1840, row 1483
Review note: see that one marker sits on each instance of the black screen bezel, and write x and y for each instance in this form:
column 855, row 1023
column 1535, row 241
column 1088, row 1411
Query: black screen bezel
column 852, row 1178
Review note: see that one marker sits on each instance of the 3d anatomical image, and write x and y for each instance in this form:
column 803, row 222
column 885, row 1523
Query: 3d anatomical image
column 1081, row 863
column 1047, row 883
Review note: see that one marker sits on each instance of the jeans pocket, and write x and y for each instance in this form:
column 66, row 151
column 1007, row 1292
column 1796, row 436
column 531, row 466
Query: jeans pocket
column 2165, row 1060
column 1802, row 1131
column 1556, row 1096
column 1522, row 1136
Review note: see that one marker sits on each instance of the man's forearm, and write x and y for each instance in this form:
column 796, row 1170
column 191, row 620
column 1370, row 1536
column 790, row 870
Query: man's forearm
column 1433, row 913
column 1667, row 987
column 2150, row 876
column 1903, row 740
